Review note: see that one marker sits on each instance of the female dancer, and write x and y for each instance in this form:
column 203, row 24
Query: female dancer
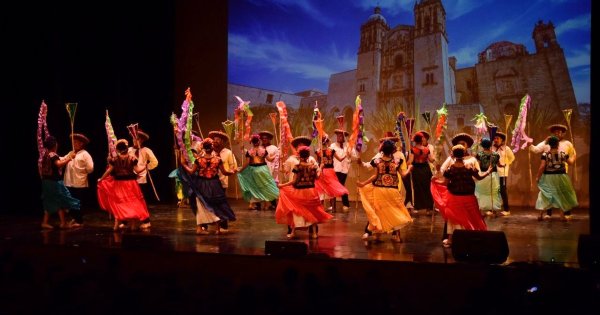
column 328, row 184
column 455, row 195
column 210, row 199
column 421, row 174
column 299, row 204
column 380, row 196
column 556, row 190
column 118, row 190
column 255, row 178
column 487, row 190
column 55, row 195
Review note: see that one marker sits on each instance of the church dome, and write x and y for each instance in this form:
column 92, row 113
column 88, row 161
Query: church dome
column 376, row 16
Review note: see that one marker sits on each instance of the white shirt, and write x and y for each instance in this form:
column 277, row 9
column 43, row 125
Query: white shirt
column 506, row 158
column 469, row 161
column 147, row 160
column 77, row 170
column 273, row 152
column 563, row 145
column 342, row 166
column 229, row 163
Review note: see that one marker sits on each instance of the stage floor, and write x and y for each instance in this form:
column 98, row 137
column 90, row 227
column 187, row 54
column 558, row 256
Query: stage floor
column 529, row 241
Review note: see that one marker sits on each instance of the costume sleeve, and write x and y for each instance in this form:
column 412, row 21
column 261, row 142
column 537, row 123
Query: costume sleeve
column 151, row 161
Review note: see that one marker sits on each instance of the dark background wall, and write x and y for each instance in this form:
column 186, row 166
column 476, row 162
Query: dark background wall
column 133, row 59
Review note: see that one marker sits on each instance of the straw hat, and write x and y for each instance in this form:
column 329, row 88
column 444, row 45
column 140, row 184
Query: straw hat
column 552, row 128
column 267, row 134
column 388, row 135
column 81, row 137
column 301, row 140
column 463, row 137
column 219, row 134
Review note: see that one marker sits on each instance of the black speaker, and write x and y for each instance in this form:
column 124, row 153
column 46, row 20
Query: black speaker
column 588, row 251
column 479, row 246
column 288, row 249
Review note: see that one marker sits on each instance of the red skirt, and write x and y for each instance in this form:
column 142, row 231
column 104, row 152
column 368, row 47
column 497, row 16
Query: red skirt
column 460, row 210
column 122, row 198
column 329, row 185
column 300, row 202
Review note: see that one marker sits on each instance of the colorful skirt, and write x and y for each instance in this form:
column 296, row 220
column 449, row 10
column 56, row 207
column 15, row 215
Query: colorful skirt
column 384, row 208
column 56, row 196
column 556, row 191
column 257, row 184
column 487, row 192
column 300, row 207
column 457, row 209
column 328, row 186
column 122, row 198
column 211, row 194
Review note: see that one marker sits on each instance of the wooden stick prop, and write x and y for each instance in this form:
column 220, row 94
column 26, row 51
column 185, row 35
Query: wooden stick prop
column 567, row 113
column 410, row 122
column 229, row 125
column 133, row 130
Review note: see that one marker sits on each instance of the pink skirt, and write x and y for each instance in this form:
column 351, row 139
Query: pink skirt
column 328, row 184
column 304, row 203
column 122, row 198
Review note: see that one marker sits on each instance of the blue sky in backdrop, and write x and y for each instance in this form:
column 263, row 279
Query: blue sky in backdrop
column 295, row 45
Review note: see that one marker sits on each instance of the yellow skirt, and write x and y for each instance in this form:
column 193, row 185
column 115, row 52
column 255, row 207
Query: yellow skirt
column 384, row 208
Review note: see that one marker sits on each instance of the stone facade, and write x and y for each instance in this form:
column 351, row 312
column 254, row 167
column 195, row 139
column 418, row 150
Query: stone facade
column 258, row 97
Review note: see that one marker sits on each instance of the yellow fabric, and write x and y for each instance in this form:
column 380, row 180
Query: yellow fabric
column 384, row 208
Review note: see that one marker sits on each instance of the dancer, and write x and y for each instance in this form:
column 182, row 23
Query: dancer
column 455, row 195
column 272, row 159
column 421, row 175
column 209, row 195
column 487, row 190
column 398, row 155
column 147, row 161
column 556, row 189
column 380, row 197
column 56, row 198
column 294, row 158
column 76, row 177
column 328, row 184
column 506, row 158
column 119, row 192
column 564, row 145
column 256, row 181
column 299, row 203
column 342, row 166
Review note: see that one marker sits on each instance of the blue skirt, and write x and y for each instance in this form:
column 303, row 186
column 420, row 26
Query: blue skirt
column 55, row 196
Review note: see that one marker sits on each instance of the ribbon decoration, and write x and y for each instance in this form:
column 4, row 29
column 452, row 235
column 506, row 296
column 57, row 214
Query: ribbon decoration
column 244, row 108
column 480, row 124
column 410, row 123
column 110, row 135
column 358, row 137
column 285, row 131
column 228, row 126
column 42, row 133
column 567, row 113
column 442, row 115
column 399, row 122
column 519, row 130
column 184, row 127
column 273, row 117
column 72, row 110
